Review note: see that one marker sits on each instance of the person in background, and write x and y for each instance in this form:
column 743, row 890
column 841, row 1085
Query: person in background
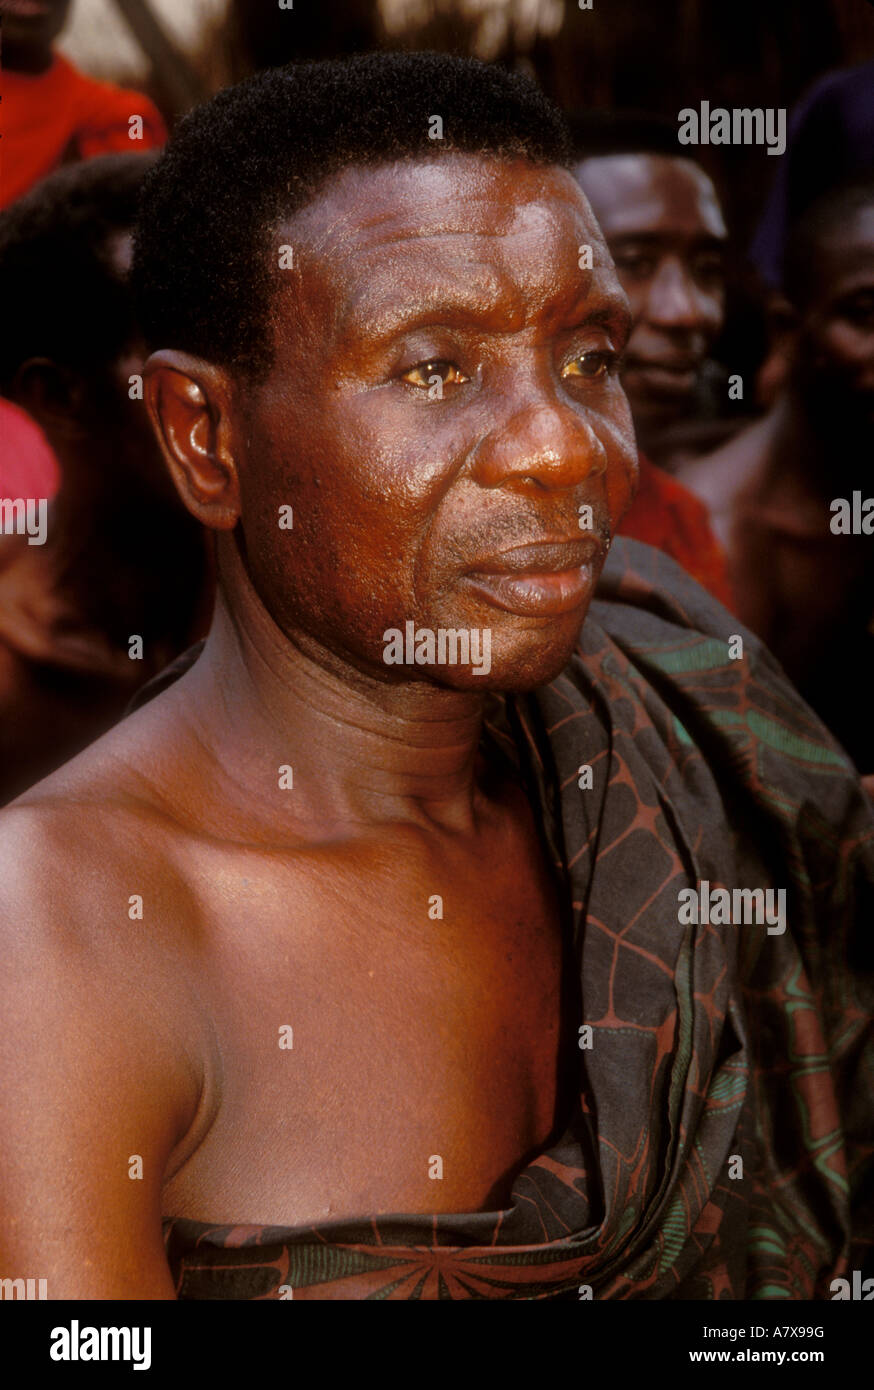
column 800, row 563
column 663, row 225
column 120, row 557
column 830, row 141
column 52, row 114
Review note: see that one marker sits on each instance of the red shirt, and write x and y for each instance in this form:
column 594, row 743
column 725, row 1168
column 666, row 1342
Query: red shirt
column 667, row 515
column 58, row 115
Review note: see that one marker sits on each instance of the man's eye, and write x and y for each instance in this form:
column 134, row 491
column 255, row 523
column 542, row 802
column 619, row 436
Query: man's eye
column 593, row 366
column 859, row 310
column 424, row 373
column 709, row 269
column 637, row 266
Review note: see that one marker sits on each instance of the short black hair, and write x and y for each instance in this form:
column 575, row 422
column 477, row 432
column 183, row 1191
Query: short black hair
column 595, row 134
column 815, row 225
column 63, row 296
column 258, row 152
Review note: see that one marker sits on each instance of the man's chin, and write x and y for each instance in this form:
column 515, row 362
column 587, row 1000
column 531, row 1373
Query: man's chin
column 519, row 661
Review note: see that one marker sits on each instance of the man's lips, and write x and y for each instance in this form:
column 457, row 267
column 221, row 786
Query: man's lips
column 541, row 557
column 544, row 579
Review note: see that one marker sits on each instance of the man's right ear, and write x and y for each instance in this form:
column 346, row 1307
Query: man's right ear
column 189, row 403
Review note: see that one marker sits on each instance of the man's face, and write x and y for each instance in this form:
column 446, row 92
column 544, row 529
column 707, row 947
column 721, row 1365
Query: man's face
column 33, row 24
column 835, row 350
column 453, row 510
column 664, row 228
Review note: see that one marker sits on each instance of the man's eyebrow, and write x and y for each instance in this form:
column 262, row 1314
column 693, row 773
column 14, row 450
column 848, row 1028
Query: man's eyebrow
column 378, row 311
column 607, row 314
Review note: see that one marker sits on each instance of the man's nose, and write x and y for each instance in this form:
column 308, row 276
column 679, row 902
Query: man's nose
column 674, row 299
column 547, row 444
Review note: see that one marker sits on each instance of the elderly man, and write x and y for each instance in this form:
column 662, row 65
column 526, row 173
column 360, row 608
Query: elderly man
column 408, row 977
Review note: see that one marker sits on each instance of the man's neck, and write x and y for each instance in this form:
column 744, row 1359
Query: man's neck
column 361, row 750
column 27, row 58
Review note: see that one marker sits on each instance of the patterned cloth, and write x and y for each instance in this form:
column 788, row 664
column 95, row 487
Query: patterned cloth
column 710, row 1044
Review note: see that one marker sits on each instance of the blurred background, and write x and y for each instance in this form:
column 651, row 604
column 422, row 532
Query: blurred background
column 621, row 53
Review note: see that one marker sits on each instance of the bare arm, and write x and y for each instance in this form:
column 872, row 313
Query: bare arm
column 90, row 1083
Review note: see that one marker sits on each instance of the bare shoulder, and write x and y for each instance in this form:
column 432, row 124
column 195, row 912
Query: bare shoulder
column 83, row 855
column 717, row 478
column 102, row 1060
column 92, row 895
column 71, row 844
column 83, row 831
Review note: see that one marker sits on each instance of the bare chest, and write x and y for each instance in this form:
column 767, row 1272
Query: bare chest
column 388, row 1020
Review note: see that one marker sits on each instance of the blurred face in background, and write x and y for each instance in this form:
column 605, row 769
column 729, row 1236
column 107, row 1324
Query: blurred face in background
column 88, row 407
column 30, row 27
column 834, row 348
column 663, row 224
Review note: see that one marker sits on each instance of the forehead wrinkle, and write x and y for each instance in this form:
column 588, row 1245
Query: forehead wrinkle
column 346, row 228
column 588, row 303
column 450, row 220
column 354, row 237
column 365, row 301
column 464, row 290
column 347, row 238
column 446, row 283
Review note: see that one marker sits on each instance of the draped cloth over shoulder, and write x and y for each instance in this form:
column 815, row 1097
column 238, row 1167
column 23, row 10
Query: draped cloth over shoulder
column 721, row 1142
